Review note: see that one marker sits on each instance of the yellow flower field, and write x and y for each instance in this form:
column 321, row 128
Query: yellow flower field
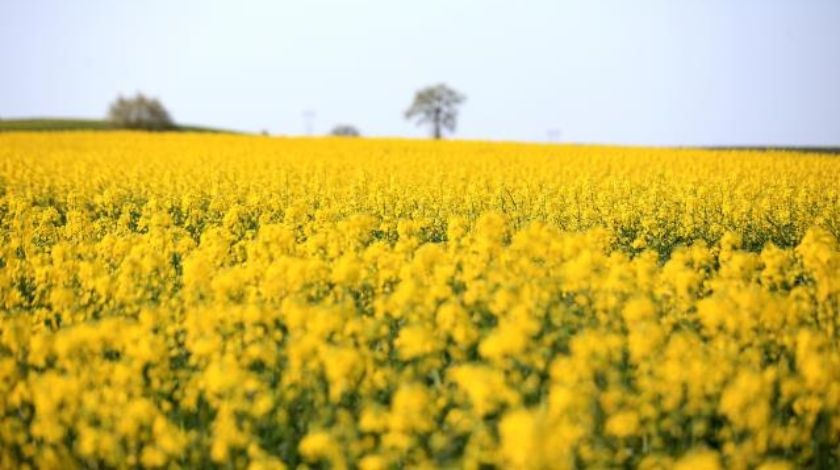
column 196, row 300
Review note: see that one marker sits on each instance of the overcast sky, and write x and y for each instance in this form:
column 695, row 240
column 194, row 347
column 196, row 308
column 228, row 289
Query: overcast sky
column 703, row 72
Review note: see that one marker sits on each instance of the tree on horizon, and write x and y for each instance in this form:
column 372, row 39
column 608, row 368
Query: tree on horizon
column 436, row 106
column 139, row 112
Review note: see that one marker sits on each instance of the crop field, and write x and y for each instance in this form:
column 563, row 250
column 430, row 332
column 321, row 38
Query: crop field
column 58, row 124
column 198, row 300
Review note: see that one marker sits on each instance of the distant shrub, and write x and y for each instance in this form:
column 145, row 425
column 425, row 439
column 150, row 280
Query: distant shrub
column 139, row 112
column 345, row 130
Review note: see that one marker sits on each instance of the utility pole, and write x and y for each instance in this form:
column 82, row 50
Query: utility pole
column 309, row 121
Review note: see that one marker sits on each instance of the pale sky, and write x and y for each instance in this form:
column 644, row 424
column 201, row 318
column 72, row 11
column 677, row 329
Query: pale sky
column 705, row 72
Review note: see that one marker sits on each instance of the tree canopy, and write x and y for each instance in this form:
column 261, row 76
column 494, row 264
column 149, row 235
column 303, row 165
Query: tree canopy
column 436, row 106
column 139, row 112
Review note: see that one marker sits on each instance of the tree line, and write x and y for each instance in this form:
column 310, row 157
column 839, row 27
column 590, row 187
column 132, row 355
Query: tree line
column 434, row 106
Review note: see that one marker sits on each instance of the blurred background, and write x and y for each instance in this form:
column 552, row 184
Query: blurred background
column 711, row 72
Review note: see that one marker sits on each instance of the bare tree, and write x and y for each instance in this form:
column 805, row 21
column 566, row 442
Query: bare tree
column 437, row 106
column 345, row 130
column 139, row 112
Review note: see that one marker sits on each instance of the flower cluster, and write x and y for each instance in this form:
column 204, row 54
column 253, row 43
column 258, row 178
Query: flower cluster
column 203, row 300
